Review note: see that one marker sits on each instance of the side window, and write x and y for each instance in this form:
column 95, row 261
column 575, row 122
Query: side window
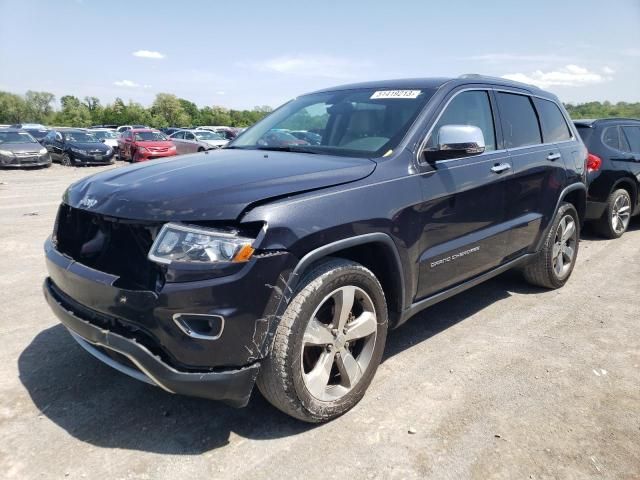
column 632, row 134
column 189, row 136
column 519, row 122
column 179, row 136
column 468, row 108
column 611, row 137
column 554, row 126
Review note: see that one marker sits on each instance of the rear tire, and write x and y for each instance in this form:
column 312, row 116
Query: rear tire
column 328, row 344
column 553, row 264
column 616, row 216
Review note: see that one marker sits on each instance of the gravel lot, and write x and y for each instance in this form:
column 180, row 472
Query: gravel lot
column 503, row 381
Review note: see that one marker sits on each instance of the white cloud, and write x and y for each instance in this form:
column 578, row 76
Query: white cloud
column 126, row 83
column 608, row 70
column 512, row 57
column 309, row 66
column 148, row 54
column 221, row 92
column 568, row 76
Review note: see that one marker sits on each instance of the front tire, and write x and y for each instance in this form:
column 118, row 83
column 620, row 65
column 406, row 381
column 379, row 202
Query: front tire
column 616, row 217
column 553, row 264
column 66, row 160
column 328, row 344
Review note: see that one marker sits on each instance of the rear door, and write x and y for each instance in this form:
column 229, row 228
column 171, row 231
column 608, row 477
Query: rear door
column 464, row 201
column 538, row 172
column 178, row 140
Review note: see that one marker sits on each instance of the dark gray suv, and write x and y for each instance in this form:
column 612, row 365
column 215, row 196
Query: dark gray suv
column 286, row 263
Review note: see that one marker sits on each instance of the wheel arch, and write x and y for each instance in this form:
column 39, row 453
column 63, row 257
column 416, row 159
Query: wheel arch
column 375, row 251
column 576, row 194
column 629, row 185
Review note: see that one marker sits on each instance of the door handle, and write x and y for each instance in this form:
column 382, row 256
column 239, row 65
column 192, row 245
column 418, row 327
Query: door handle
column 553, row 156
column 500, row 167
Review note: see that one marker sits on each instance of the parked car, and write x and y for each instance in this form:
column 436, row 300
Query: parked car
column 141, row 144
column 309, row 137
column 37, row 133
column 613, row 172
column 228, row 133
column 287, row 264
column 19, row 149
column 106, row 136
column 280, row 138
column 171, row 130
column 37, row 126
column 75, row 146
column 190, row 141
column 124, row 128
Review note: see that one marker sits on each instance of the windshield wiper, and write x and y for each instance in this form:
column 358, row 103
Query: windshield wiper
column 287, row 148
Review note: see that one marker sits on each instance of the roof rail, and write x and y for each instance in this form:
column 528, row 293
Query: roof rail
column 497, row 79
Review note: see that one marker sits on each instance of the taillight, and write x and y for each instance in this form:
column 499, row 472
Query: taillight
column 594, row 163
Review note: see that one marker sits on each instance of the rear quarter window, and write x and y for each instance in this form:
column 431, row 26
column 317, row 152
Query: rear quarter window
column 519, row 120
column 554, row 126
column 611, row 137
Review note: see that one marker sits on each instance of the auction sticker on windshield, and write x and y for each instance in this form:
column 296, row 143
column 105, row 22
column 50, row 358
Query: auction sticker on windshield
column 395, row 94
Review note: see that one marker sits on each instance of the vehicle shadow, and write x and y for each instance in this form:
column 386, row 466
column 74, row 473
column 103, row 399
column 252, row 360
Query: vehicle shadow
column 100, row 406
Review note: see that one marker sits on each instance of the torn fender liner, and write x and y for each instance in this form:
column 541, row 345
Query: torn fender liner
column 231, row 386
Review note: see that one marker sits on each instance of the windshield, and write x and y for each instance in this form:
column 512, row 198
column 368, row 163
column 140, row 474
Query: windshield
column 361, row 122
column 100, row 134
column 80, row 137
column 150, row 137
column 205, row 135
column 16, row 137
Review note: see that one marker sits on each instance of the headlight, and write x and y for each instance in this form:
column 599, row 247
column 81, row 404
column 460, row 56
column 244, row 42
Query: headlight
column 181, row 243
column 6, row 153
column 108, row 152
column 78, row 150
column 42, row 151
column 172, row 147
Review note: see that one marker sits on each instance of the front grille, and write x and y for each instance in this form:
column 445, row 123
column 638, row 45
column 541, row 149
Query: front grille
column 110, row 245
column 27, row 154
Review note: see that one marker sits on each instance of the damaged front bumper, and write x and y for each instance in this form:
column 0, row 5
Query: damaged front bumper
column 135, row 331
column 135, row 360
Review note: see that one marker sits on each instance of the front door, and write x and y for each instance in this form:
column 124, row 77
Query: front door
column 464, row 204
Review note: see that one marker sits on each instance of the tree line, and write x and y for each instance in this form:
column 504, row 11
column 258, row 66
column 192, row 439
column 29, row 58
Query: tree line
column 167, row 110
column 170, row 110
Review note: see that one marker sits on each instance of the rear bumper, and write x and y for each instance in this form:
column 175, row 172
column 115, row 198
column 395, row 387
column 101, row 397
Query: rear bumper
column 231, row 386
column 595, row 210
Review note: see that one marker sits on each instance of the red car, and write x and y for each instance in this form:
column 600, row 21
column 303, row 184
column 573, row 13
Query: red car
column 140, row 144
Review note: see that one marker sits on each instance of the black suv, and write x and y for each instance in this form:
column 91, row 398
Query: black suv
column 286, row 264
column 74, row 146
column 613, row 172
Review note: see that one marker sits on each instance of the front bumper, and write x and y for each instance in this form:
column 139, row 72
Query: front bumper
column 143, row 157
column 231, row 386
column 93, row 159
column 26, row 161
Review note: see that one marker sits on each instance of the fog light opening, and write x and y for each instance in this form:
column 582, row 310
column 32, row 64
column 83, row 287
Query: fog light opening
column 200, row 326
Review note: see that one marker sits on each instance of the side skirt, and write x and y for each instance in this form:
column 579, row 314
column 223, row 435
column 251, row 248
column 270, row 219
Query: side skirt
column 438, row 297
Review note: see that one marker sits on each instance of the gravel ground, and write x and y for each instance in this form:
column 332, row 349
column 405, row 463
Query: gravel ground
column 503, row 381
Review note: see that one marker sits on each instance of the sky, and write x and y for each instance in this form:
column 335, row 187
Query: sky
column 247, row 53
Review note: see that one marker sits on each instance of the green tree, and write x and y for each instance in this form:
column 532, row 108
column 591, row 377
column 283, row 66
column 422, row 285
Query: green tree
column 73, row 113
column 39, row 106
column 13, row 108
column 169, row 111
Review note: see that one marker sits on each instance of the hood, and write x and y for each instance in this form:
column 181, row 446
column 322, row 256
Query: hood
column 26, row 147
column 210, row 186
column 89, row 146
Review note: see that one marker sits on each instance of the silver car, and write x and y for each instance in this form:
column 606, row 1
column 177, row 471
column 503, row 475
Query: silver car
column 190, row 141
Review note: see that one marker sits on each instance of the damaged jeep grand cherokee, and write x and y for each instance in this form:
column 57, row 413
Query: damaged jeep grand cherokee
column 283, row 264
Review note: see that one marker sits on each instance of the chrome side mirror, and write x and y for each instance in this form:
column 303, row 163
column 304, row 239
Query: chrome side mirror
column 456, row 141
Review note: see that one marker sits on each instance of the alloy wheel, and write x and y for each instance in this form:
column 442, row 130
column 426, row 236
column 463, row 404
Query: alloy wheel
column 621, row 214
column 338, row 343
column 564, row 246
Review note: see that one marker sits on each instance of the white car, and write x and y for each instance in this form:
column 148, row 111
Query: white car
column 106, row 135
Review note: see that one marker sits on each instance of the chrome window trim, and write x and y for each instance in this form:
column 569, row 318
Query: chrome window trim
column 423, row 142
